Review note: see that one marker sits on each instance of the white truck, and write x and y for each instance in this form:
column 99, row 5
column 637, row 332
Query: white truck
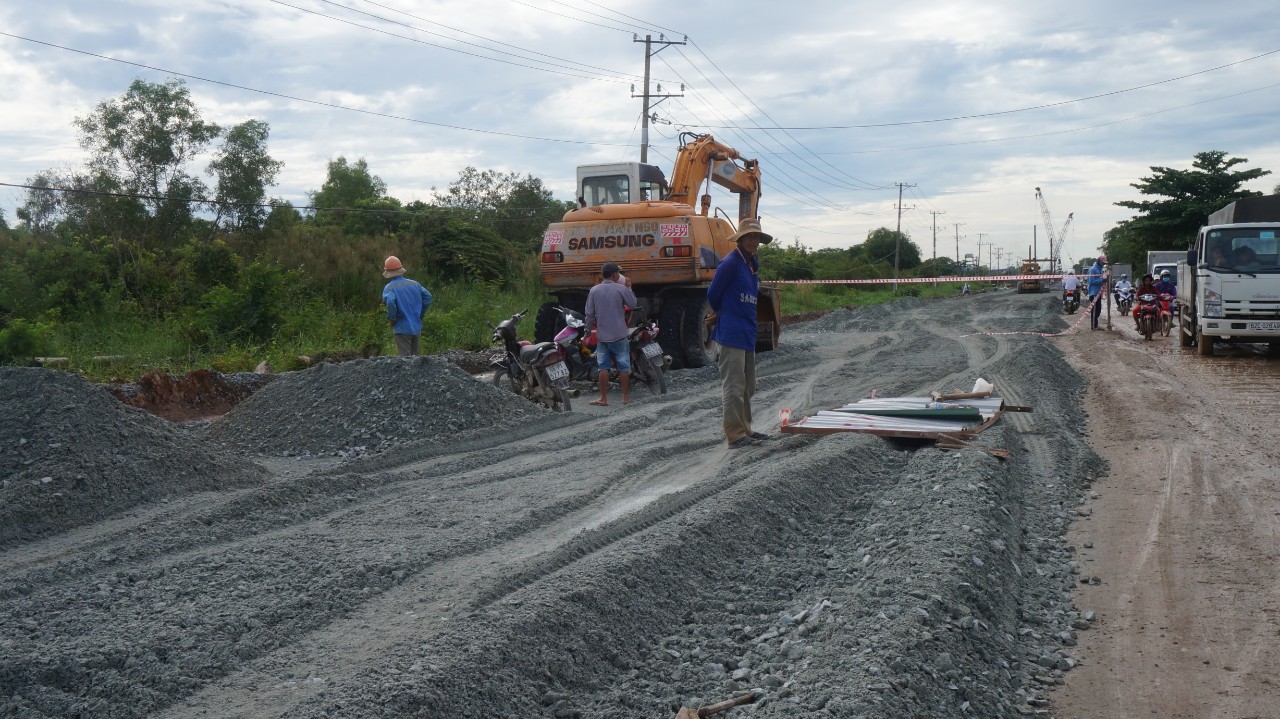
column 1229, row 282
column 1163, row 260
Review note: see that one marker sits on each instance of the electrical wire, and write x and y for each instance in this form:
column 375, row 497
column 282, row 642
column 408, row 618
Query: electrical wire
column 309, row 101
column 449, row 49
column 998, row 113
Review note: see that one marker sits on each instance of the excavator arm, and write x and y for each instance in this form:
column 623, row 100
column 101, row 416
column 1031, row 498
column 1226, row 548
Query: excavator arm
column 703, row 159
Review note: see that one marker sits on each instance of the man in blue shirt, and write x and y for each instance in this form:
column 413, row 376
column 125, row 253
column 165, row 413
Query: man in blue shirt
column 1097, row 277
column 407, row 302
column 732, row 296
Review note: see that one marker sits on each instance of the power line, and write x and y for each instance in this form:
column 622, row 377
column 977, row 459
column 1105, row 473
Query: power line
column 309, row 101
column 443, row 47
column 998, row 113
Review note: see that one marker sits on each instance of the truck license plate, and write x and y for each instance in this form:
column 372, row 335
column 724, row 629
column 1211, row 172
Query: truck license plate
column 1265, row 326
column 651, row 350
column 557, row 371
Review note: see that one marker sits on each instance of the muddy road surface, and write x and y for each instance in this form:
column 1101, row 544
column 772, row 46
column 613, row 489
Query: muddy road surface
column 397, row 539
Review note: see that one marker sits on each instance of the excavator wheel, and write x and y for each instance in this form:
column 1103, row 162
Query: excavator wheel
column 694, row 332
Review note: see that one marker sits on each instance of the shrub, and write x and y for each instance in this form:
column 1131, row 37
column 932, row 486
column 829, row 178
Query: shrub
column 19, row 342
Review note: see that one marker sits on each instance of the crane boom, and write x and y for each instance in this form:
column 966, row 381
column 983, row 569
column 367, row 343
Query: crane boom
column 1055, row 238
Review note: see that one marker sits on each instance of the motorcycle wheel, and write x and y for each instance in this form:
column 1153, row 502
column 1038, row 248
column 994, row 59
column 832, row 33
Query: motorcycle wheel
column 656, row 369
column 563, row 405
column 1148, row 327
column 503, row 380
column 1166, row 324
column 642, row 373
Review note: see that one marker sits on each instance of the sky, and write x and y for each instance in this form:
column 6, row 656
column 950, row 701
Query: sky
column 965, row 107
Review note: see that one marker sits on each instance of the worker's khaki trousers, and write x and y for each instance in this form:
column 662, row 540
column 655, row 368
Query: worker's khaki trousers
column 737, row 384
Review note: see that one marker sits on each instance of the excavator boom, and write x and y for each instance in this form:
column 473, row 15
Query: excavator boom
column 703, row 159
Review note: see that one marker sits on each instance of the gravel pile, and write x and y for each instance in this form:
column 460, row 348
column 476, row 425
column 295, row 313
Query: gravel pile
column 367, row 406
column 72, row 454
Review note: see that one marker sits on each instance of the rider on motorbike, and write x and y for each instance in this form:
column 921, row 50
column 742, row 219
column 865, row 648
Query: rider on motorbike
column 1123, row 284
column 1164, row 284
column 1148, row 287
column 1070, row 282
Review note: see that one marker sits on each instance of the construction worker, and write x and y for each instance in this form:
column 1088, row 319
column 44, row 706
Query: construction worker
column 732, row 295
column 407, row 303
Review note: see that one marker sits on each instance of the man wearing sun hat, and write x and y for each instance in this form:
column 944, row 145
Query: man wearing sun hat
column 407, row 302
column 732, row 295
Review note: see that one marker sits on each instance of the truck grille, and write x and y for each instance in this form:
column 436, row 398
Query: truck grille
column 1252, row 309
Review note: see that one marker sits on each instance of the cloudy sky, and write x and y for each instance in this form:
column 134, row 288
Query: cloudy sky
column 972, row 105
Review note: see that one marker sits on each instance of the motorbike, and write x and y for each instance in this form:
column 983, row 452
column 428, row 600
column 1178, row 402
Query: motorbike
column 648, row 364
column 1124, row 300
column 1166, row 312
column 535, row 371
column 1147, row 314
column 1070, row 301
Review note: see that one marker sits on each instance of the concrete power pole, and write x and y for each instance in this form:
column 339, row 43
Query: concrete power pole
column 649, row 52
column 957, row 224
column 935, row 214
column 897, row 240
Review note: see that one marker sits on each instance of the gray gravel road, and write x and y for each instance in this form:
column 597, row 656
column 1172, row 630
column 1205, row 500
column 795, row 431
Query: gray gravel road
column 504, row 561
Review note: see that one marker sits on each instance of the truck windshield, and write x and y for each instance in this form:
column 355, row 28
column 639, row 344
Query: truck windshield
column 1243, row 249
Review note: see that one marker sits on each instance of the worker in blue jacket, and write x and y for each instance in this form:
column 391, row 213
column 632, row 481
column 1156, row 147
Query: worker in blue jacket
column 407, row 302
column 732, row 296
column 1097, row 277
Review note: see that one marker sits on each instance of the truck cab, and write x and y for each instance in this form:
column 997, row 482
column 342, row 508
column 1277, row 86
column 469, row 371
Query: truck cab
column 1229, row 284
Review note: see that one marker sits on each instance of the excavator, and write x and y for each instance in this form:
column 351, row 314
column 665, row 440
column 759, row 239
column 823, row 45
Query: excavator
column 630, row 214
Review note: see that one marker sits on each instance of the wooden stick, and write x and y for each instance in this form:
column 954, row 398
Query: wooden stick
column 725, row 706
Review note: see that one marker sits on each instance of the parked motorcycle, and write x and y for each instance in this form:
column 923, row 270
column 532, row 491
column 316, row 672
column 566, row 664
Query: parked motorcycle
column 648, row 364
column 1166, row 312
column 1070, row 301
column 1124, row 300
column 1147, row 314
column 536, row 371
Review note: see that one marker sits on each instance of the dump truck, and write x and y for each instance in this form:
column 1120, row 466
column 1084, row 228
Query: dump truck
column 629, row 214
column 1229, row 281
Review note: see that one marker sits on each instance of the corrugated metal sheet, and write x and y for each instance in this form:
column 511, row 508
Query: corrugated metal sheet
column 912, row 417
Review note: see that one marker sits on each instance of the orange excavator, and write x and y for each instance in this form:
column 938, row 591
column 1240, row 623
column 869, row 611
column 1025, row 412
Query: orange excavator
column 629, row 214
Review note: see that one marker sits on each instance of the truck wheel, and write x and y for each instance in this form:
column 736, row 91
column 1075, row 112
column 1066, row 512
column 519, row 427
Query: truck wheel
column 693, row 331
column 669, row 336
column 547, row 323
column 1184, row 338
column 1204, row 345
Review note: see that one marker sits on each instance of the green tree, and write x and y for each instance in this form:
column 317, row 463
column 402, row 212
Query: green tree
column 144, row 140
column 882, row 243
column 244, row 171
column 1183, row 200
column 516, row 208
column 346, row 186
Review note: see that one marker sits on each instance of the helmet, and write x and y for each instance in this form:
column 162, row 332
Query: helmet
column 1102, row 259
column 1124, row 275
column 391, row 267
column 1164, row 273
column 1071, row 272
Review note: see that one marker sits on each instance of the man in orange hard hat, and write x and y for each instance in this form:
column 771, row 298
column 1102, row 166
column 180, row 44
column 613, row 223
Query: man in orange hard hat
column 407, row 302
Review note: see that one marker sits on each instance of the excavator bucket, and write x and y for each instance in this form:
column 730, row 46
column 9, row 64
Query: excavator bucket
column 768, row 318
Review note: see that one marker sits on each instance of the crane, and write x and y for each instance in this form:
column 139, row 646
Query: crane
column 1055, row 239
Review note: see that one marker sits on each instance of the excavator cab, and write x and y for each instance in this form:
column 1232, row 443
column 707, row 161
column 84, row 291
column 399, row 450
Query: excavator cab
column 619, row 183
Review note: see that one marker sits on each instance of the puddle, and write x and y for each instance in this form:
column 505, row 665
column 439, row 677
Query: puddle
column 1246, row 371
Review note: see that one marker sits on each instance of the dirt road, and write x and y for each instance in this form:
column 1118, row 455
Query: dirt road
column 1184, row 532
column 616, row 562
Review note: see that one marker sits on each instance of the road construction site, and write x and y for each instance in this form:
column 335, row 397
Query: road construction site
column 397, row 538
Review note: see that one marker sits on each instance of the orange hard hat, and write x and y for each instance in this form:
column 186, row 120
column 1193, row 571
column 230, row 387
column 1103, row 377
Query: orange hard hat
column 392, row 267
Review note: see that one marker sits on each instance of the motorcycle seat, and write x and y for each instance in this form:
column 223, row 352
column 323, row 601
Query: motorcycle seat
column 530, row 353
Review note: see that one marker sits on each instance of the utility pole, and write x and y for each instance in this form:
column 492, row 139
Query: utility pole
column 649, row 52
column 957, row 224
column 935, row 214
column 897, row 240
column 980, row 243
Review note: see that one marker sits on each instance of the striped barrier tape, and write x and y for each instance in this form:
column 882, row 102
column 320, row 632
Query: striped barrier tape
column 908, row 280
